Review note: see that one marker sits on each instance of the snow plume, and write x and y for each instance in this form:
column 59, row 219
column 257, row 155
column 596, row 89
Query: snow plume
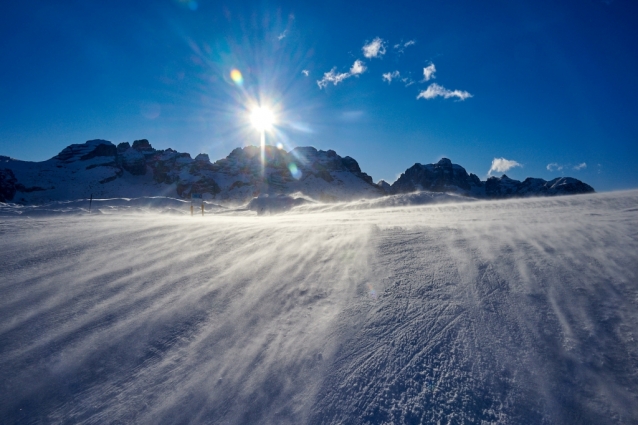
column 435, row 90
column 428, row 72
column 502, row 165
column 374, row 49
column 403, row 314
column 357, row 68
column 389, row 76
column 184, row 320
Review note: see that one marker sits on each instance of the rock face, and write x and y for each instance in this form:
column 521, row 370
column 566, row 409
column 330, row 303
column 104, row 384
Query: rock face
column 504, row 187
column 447, row 177
column 440, row 177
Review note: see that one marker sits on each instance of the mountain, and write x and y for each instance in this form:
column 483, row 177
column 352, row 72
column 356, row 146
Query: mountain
column 101, row 169
column 447, row 177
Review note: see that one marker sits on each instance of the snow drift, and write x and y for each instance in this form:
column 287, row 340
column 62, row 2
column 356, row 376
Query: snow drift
column 517, row 311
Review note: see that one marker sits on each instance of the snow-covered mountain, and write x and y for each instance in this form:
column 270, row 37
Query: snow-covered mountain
column 100, row 169
column 447, row 177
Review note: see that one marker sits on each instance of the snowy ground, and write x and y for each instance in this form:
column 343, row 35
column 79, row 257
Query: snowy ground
column 521, row 311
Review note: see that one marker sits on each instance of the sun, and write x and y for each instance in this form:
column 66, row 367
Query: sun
column 262, row 118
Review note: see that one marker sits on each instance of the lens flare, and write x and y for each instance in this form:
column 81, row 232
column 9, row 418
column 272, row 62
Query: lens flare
column 236, row 76
column 294, row 171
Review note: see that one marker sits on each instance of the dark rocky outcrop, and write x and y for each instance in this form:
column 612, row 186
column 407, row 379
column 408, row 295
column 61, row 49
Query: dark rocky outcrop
column 8, row 183
column 447, row 177
column 133, row 161
column 100, row 150
column 440, row 177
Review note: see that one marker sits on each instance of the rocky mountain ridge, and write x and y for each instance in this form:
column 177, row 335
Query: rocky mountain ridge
column 102, row 169
column 447, row 177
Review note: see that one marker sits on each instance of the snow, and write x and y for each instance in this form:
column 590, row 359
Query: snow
column 517, row 311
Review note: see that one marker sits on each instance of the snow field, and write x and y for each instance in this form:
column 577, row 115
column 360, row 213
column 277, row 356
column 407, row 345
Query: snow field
column 485, row 312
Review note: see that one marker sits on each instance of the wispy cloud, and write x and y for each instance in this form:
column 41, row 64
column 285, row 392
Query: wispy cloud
column 435, row 90
column 428, row 72
column 407, row 81
column 374, row 49
column 502, row 165
column 554, row 166
column 357, row 68
column 282, row 35
column 305, row 72
column 389, row 76
column 580, row 166
column 402, row 46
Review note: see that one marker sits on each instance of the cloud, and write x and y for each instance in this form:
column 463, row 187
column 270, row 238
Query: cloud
column 374, row 49
column 428, row 72
column 282, row 35
column 435, row 90
column 305, row 72
column 580, row 166
column 554, row 167
column 332, row 77
column 389, row 76
column 407, row 81
column 402, row 46
column 357, row 68
column 502, row 165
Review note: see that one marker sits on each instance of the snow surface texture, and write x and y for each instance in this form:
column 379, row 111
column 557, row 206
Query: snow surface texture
column 518, row 311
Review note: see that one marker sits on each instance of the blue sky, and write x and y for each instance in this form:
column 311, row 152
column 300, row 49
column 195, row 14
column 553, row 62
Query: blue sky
column 550, row 87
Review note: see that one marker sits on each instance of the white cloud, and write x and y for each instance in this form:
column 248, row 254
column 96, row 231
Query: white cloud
column 554, row 167
column 374, row 49
column 305, row 72
column 332, row 77
column 435, row 90
column 409, row 43
column 502, row 165
column 282, row 35
column 428, row 72
column 580, row 166
column 357, row 68
column 389, row 76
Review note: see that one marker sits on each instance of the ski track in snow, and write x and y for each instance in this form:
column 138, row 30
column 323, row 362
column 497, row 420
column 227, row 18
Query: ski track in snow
column 519, row 311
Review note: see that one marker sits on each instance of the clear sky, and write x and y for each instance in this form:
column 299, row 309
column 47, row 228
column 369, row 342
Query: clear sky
column 549, row 87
